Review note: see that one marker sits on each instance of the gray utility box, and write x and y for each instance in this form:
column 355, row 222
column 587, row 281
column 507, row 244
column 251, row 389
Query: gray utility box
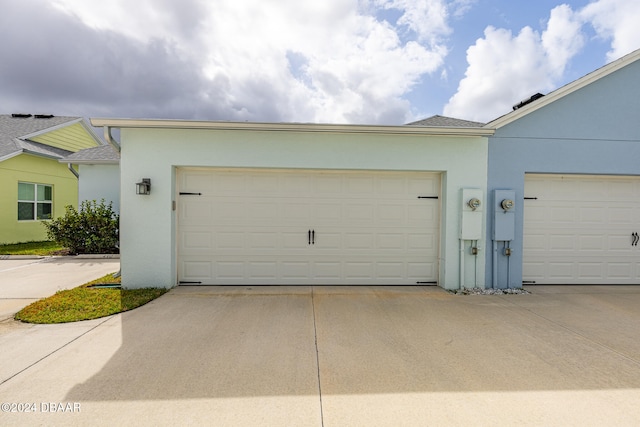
column 504, row 215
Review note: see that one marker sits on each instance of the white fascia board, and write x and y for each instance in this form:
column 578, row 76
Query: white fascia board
column 91, row 132
column 565, row 90
column 45, row 156
column 90, row 162
column 290, row 127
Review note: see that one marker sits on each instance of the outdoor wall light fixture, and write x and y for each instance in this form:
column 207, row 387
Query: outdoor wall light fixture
column 144, row 186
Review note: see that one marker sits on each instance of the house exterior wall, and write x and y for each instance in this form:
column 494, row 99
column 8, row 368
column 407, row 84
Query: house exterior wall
column 38, row 170
column 99, row 182
column 594, row 130
column 148, row 223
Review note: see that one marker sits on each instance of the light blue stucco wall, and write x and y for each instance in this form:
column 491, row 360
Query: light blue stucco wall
column 99, row 182
column 595, row 130
column 148, row 223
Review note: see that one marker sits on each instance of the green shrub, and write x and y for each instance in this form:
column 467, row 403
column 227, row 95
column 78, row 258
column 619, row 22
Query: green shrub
column 93, row 229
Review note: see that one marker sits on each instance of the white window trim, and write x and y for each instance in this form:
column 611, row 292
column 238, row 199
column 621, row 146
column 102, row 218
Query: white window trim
column 35, row 201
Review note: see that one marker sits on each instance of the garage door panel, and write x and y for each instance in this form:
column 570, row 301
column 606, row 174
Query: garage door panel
column 365, row 186
column 196, row 213
column 195, row 270
column 620, row 270
column 262, row 270
column 419, row 270
column 591, row 270
column 327, row 270
column 391, row 213
column 620, row 243
column 226, row 270
column 293, row 240
column 327, row 241
column 358, row 241
column 423, row 243
column 592, row 215
column 561, row 243
column 578, row 229
column 391, row 241
column 262, row 212
column 359, row 270
column 252, row 227
column 593, row 243
column 230, row 240
column 621, row 215
column 328, row 185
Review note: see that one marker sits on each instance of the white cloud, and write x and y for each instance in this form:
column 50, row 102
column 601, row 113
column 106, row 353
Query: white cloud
column 349, row 67
column 427, row 18
column 562, row 39
column 616, row 20
column 504, row 69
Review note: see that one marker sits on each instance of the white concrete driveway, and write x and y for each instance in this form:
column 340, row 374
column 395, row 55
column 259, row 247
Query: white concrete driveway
column 334, row 357
column 25, row 281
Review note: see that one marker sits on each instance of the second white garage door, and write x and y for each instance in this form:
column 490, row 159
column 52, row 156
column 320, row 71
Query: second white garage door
column 581, row 229
column 307, row 227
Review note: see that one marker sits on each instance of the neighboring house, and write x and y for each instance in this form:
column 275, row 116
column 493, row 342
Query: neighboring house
column 35, row 186
column 98, row 174
column 443, row 121
column 254, row 203
column 570, row 161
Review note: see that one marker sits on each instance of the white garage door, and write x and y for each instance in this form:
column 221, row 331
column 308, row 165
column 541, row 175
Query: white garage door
column 307, row 227
column 581, row 229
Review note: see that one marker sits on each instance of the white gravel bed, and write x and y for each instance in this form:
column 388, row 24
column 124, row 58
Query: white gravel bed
column 479, row 291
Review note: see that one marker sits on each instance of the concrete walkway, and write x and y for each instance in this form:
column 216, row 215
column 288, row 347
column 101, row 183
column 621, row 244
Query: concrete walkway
column 23, row 281
column 335, row 356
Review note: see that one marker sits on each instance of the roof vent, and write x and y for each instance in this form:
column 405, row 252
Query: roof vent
column 43, row 116
column 528, row 101
column 20, row 116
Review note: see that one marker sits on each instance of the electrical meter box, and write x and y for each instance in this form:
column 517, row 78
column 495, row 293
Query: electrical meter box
column 472, row 217
column 504, row 215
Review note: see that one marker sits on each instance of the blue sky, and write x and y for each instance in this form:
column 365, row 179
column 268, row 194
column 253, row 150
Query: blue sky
column 335, row 61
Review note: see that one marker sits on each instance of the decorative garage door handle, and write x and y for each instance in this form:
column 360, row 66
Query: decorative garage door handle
column 311, row 237
column 634, row 239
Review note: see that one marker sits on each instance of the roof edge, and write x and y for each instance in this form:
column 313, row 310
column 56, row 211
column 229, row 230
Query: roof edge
column 12, row 155
column 296, row 127
column 565, row 90
column 90, row 162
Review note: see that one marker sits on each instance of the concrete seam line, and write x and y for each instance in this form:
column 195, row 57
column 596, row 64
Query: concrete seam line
column 315, row 334
column 54, row 351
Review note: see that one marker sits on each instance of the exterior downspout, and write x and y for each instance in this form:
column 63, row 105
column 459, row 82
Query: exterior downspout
column 73, row 171
column 109, row 138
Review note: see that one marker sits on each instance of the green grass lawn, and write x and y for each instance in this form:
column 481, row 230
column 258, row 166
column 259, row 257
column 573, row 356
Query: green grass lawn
column 86, row 302
column 45, row 248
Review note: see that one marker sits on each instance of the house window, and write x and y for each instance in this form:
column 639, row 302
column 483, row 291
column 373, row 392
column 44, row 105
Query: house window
column 34, row 201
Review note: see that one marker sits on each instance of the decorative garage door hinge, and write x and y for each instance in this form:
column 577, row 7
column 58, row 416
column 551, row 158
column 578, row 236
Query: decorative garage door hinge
column 426, row 283
column 190, row 194
column 531, row 198
column 189, row 283
column 427, row 197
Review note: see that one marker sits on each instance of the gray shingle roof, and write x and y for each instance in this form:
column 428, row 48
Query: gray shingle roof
column 95, row 155
column 449, row 122
column 13, row 132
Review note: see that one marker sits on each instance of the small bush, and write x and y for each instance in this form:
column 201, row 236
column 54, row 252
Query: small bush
column 93, row 229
